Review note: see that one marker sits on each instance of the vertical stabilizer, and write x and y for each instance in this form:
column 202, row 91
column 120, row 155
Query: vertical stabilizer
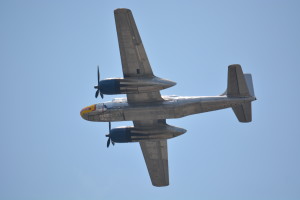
column 240, row 85
column 236, row 86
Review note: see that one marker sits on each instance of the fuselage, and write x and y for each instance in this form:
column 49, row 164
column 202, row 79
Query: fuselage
column 171, row 107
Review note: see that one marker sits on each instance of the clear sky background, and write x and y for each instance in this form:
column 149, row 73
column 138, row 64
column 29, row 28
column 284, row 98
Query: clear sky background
column 49, row 51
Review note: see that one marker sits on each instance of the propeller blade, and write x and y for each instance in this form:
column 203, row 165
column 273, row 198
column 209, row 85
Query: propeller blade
column 108, row 135
column 108, row 142
column 98, row 84
column 98, row 74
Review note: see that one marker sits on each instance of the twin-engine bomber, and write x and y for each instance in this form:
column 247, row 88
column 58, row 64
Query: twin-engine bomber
column 149, row 110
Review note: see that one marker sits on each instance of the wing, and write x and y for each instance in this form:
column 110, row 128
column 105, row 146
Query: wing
column 133, row 55
column 156, row 155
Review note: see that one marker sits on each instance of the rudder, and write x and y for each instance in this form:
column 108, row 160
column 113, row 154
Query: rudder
column 249, row 82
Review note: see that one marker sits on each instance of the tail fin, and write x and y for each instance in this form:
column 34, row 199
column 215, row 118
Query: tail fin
column 240, row 85
column 236, row 85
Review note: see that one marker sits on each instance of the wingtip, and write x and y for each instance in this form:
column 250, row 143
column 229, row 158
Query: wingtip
column 161, row 185
column 122, row 10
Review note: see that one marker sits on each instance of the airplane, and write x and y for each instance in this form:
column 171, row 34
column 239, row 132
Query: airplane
column 148, row 109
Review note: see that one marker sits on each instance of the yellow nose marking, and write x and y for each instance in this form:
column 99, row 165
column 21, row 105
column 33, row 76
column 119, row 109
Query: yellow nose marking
column 88, row 109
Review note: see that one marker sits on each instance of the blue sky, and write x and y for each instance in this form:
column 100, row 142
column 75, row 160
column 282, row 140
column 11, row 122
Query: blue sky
column 49, row 51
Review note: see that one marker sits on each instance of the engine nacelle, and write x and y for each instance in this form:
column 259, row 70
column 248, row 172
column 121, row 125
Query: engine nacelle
column 110, row 86
column 132, row 134
column 120, row 135
column 133, row 85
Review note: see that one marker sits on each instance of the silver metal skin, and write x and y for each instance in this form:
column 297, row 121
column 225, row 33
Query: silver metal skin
column 149, row 110
column 163, row 131
column 136, row 85
column 172, row 107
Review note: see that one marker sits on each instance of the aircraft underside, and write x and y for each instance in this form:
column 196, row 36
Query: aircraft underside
column 148, row 110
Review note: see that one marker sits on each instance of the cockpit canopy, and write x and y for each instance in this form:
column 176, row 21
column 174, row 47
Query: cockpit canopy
column 101, row 107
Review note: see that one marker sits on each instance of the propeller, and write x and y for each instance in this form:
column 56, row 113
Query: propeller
column 108, row 135
column 98, row 86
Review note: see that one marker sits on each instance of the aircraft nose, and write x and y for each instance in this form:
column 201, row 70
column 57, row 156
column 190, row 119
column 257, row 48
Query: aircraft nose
column 85, row 111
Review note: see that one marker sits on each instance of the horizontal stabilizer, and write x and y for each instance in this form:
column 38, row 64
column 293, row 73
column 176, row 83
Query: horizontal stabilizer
column 243, row 112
